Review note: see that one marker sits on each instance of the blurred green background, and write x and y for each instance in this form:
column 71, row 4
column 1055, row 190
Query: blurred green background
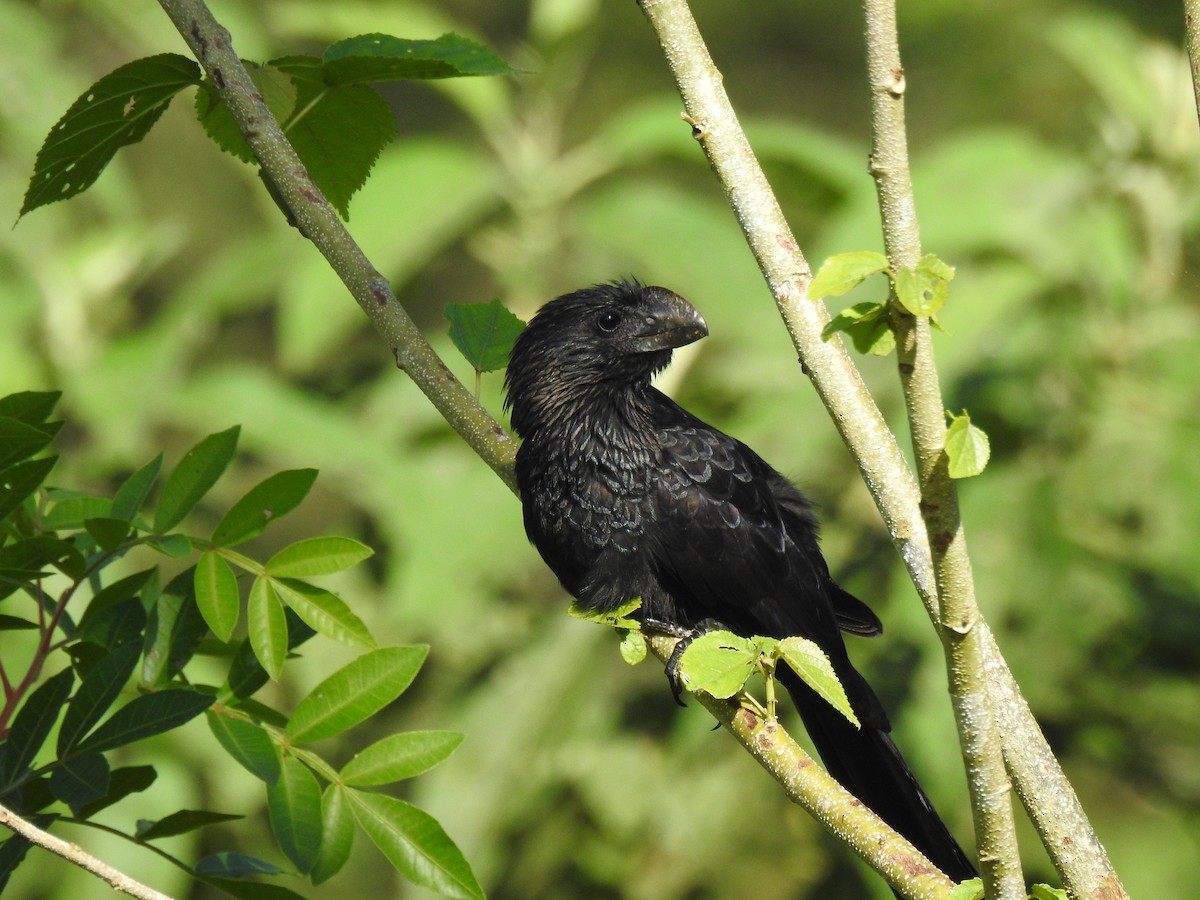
column 1057, row 165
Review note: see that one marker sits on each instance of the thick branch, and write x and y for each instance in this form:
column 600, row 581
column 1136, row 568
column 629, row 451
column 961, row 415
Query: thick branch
column 73, row 853
column 318, row 221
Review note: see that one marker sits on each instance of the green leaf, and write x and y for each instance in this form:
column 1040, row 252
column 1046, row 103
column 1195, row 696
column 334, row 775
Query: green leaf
column 30, row 407
column 355, row 692
column 32, row 726
column 97, row 692
column 14, row 623
column 19, row 481
column 115, row 624
column 270, row 499
column 234, row 865
column 121, row 783
column 325, row 612
column 337, row 835
column 174, row 629
column 268, row 627
column 809, row 661
column 294, row 807
column 71, row 513
column 116, row 592
column 246, row 674
column 180, row 822
column 416, row 844
column 192, row 478
column 633, row 646
column 33, row 555
column 967, row 447
column 217, row 594
column 1038, row 892
column 175, row 546
column 840, row 273
column 19, row 440
column 923, row 290
column 483, row 332
column 132, row 494
column 400, row 756
column 317, row 556
column 618, row 618
column 116, row 111
column 381, row 57
column 718, row 663
column 867, row 326
column 273, row 85
column 972, row 889
column 80, row 780
column 248, row 744
column 145, row 716
column 108, row 532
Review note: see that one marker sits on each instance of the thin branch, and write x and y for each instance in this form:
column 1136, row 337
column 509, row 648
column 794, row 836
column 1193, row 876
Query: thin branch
column 810, row 786
column 318, row 221
column 73, row 853
column 1191, row 18
column 987, row 780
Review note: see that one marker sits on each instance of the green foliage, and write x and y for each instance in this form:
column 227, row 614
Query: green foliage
column 967, row 447
column 131, row 662
column 484, row 333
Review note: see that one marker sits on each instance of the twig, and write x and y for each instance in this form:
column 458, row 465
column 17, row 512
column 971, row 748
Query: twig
column 1191, row 18
column 959, row 618
column 73, row 853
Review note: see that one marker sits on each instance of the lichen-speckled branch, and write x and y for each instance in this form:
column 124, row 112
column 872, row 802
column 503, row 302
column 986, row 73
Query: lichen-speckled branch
column 318, row 221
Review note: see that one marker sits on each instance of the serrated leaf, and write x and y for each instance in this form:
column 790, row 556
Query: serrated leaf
column 273, row 85
column 108, row 532
column 248, row 744
column 180, row 822
column 132, row 493
column 265, row 502
column 145, row 716
column 842, row 272
column 967, row 447
column 32, row 725
column 267, row 626
column 217, row 594
column 400, row 756
column 718, row 663
column 116, row 111
column 20, row 440
column 355, row 692
column 337, row 835
column 192, row 478
column 317, row 556
column 174, row 629
column 923, row 290
column 80, row 780
column 234, row 865
column 809, row 662
column 19, row 481
column 866, row 324
column 121, row 783
column 30, row 407
column 382, row 57
column 484, row 333
column 324, row 611
column 294, row 808
column 618, row 618
column 97, row 692
column 416, row 844
column 633, row 646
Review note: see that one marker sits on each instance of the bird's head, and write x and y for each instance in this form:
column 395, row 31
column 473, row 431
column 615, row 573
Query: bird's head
column 605, row 338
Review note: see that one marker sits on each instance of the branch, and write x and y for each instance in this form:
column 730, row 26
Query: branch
column 73, row 853
column 808, row 785
column 1191, row 18
column 959, row 618
column 319, row 222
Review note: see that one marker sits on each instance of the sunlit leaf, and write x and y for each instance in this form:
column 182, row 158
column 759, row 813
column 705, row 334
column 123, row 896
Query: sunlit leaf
column 337, row 834
column 217, row 594
column 267, row 501
column 248, row 744
column 268, row 627
column 967, row 447
column 382, row 57
column 294, row 807
column 324, row 611
column 809, row 661
column 400, row 756
column 718, row 663
column 840, row 273
column 317, row 556
column 192, row 478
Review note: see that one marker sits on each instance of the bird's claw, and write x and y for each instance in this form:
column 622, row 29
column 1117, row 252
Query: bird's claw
column 686, row 636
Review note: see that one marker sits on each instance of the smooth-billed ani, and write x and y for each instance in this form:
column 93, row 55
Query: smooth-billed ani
column 626, row 494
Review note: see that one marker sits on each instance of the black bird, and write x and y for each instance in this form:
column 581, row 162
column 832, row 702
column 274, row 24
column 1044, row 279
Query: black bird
column 626, row 494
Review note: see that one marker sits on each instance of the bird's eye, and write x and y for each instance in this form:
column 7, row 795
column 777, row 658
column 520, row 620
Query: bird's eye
column 608, row 320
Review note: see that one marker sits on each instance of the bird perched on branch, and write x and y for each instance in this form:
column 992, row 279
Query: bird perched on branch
column 626, row 494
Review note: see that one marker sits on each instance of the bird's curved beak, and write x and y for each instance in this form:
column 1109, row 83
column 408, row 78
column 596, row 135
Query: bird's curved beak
column 670, row 322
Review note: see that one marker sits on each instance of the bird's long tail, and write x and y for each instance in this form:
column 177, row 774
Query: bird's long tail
column 867, row 763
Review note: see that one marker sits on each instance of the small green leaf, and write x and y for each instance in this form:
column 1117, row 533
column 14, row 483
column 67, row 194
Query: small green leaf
column 809, row 661
column 192, row 478
column 144, row 716
column 355, row 692
column 416, row 844
column 972, row 889
column 19, row 481
column 30, row 407
column 867, row 326
column 180, row 822
column 337, row 834
column 32, row 726
column 325, row 612
column 923, row 290
column 400, row 756
column 80, row 780
column 1038, row 892
column 618, row 618
column 294, row 807
column 133, row 492
column 381, row 57
column 234, row 865
column 117, row 110
column 109, row 533
column 484, row 333
column 633, row 646
column 967, row 447
column 317, row 556
column 121, row 783
column 267, row 501
column 842, row 272
column 246, row 674
column 217, row 594
column 97, row 692
column 248, row 744
column 718, row 663
column 268, row 627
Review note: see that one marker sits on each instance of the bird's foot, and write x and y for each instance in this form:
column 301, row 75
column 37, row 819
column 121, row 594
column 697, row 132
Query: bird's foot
column 686, row 635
